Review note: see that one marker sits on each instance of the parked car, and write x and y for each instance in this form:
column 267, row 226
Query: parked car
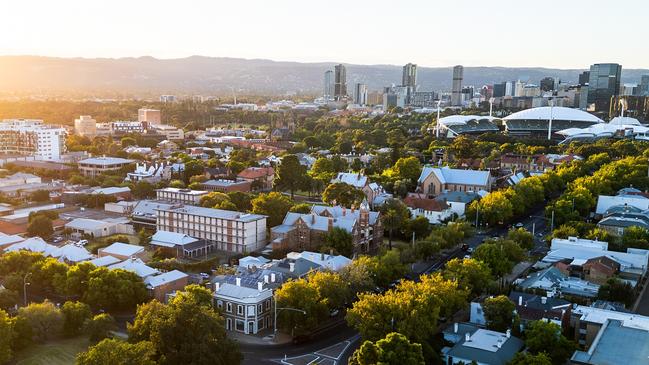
column 519, row 225
column 465, row 247
column 204, row 275
column 334, row 313
column 82, row 242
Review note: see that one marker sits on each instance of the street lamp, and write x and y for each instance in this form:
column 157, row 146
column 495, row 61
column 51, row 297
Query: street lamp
column 439, row 103
column 25, row 283
column 280, row 309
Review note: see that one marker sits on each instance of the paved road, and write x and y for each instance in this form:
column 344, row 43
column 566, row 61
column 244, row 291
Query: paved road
column 341, row 335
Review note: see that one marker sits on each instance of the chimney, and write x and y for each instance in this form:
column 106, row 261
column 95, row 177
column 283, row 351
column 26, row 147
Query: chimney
column 455, row 327
column 499, row 344
column 266, row 279
column 238, row 281
column 216, row 286
column 467, row 337
column 272, row 277
column 322, row 256
column 509, row 333
column 331, row 252
column 544, row 300
column 520, row 300
column 291, row 266
column 260, row 286
column 330, row 224
column 344, row 211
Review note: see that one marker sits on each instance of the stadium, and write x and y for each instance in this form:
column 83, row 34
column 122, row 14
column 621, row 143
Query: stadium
column 535, row 122
column 454, row 125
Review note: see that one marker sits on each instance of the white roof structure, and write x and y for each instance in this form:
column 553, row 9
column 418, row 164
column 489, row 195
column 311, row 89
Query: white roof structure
column 605, row 202
column 33, row 244
column 112, row 190
column 463, row 119
column 171, row 239
column 164, row 278
column 331, row 262
column 104, row 261
column 241, row 294
column 105, row 161
column 624, row 121
column 122, row 249
column 6, row 239
column 356, row 180
column 137, row 266
column 580, row 250
column 250, row 261
column 72, row 253
column 597, row 315
column 84, row 224
column 558, row 113
column 447, row 175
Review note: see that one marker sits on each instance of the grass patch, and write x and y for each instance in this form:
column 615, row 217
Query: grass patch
column 58, row 352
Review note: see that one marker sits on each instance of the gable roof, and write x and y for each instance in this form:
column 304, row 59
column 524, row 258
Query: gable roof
column 72, row 253
column 482, row 347
column 447, row 175
column 354, row 179
column 164, row 278
column 122, row 249
column 171, row 239
column 430, row 205
column 256, row 172
column 33, row 244
column 135, row 265
column 104, row 261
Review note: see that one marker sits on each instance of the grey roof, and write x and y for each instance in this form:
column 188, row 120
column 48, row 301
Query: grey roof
column 214, row 213
column 147, row 208
column 482, row 348
column 458, row 196
column 238, row 292
column 314, row 221
column 616, row 344
column 536, row 301
column 341, row 212
column 106, row 161
column 447, row 175
column 302, row 267
column 171, row 239
column 223, row 183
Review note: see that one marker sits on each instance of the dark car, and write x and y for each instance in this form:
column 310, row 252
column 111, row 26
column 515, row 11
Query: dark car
column 300, row 339
column 465, row 247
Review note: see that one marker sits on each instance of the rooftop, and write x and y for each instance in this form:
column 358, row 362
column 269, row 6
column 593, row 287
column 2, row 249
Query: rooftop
column 616, row 344
column 164, row 278
column 122, row 249
column 106, row 161
column 447, row 175
column 556, row 113
column 214, row 213
column 184, row 191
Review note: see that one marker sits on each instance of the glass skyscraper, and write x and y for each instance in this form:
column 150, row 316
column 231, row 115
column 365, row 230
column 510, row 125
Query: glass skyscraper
column 603, row 83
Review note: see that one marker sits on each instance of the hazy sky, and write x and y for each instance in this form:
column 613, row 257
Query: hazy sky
column 549, row 33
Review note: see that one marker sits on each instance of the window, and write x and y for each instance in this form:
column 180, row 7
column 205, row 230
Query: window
column 240, row 310
column 229, row 307
column 259, row 308
column 219, row 304
column 240, row 325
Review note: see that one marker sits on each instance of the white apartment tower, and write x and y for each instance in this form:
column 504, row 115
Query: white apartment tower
column 85, row 126
column 151, row 116
column 328, row 93
column 456, row 92
column 32, row 137
column 360, row 94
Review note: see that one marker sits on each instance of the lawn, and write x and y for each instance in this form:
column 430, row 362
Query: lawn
column 58, row 352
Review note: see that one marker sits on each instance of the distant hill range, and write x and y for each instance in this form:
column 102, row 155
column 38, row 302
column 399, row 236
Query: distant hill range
column 220, row 76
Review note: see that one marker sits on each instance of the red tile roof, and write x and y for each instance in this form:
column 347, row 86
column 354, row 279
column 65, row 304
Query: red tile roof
column 256, row 172
column 430, row 205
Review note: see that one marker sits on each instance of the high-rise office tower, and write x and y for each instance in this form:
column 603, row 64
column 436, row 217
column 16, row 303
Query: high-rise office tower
column 456, row 91
column 328, row 92
column 644, row 86
column 603, row 83
column 340, row 82
column 409, row 76
column 360, row 94
column 583, row 78
column 547, row 84
column 499, row 90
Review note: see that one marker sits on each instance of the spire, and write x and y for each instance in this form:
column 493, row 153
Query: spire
column 365, row 205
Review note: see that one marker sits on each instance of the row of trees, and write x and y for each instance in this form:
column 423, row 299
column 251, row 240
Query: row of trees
column 97, row 286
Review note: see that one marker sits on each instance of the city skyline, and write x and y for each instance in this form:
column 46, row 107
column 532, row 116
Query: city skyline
column 293, row 31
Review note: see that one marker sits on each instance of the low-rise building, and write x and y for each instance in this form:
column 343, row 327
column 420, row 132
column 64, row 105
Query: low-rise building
column 308, row 231
column 588, row 323
column 122, row 251
column 99, row 228
column 162, row 285
column 245, row 305
column 95, row 166
column 261, row 178
column 178, row 245
column 137, row 266
column 224, row 230
column 484, row 347
column 374, row 193
column 179, row 195
column 437, row 180
column 435, row 211
column 226, row 186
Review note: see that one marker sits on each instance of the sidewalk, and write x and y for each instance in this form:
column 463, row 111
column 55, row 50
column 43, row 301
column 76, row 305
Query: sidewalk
column 263, row 338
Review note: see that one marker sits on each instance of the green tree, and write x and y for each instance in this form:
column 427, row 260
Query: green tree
column 299, row 294
column 23, row 333
column 6, row 335
column 323, row 170
column 75, row 315
column 274, row 205
column 143, row 189
column 50, row 275
column 194, row 293
column 358, row 275
column 184, row 332
column 470, row 274
column 290, row 174
column 408, row 168
column 128, row 141
column 522, row 237
column 45, row 319
column 394, row 349
column 342, row 194
column 179, row 184
column 616, row 290
column 495, row 208
column 40, row 196
column 99, row 327
column 193, row 168
column 114, row 289
column 525, row 358
column 546, row 337
column 8, row 298
column 77, row 278
column 241, row 200
column 393, row 215
column 499, row 313
column 564, row 231
column 113, row 351
column 419, row 225
column 303, row 208
column 340, row 240
column 331, row 288
column 41, row 226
